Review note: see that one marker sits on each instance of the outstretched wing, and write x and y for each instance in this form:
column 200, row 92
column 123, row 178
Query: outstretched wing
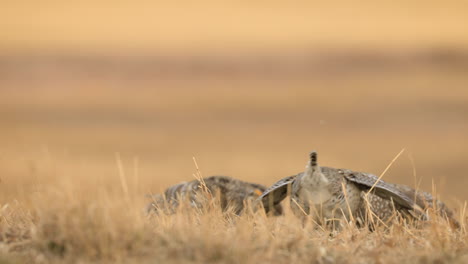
column 380, row 188
column 276, row 193
column 405, row 196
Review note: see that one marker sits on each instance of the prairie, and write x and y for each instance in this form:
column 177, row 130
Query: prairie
column 78, row 156
column 97, row 112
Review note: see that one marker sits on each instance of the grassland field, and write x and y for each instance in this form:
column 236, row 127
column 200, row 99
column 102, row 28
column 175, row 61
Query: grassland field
column 95, row 113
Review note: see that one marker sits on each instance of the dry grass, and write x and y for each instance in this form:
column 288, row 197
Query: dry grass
column 68, row 226
column 121, row 97
column 75, row 165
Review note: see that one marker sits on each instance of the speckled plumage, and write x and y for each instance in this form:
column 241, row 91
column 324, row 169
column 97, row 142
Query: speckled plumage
column 232, row 193
column 330, row 194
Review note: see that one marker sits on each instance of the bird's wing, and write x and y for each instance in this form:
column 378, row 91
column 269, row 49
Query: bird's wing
column 380, row 188
column 276, row 193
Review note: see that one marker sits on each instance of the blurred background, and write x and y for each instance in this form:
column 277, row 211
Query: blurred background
column 92, row 90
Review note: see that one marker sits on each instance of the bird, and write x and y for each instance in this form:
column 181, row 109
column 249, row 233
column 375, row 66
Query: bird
column 232, row 193
column 331, row 195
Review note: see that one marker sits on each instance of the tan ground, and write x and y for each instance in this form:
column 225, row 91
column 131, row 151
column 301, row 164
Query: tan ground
column 91, row 120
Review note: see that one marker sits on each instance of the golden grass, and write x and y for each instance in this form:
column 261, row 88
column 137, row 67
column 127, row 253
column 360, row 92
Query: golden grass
column 67, row 225
column 78, row 154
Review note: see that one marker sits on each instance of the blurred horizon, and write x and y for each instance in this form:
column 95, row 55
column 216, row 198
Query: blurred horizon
column 248, row 88
column 223, row 26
